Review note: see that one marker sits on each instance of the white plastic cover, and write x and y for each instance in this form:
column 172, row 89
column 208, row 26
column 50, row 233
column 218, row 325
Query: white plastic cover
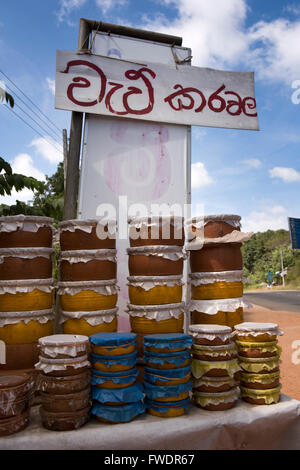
column 108, row 287
column 211, row 307
column 84, row 256
column 157, row 312
column 257, row 328
column 87, row 225
column 93, row 318
column 173, row 253
column 26, row 285
column 236, row 236
column 148, row 282
column 11, row 318
column 29, row 253
column 26, row 223
column 198, row 279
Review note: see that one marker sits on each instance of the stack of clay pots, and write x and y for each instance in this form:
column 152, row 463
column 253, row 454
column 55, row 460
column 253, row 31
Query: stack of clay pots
column 167, row 373
column 216, row 276
column 15, row 395
column 64, row 381
column 156, row 260
column 259, row 359
column 88, row 270
column 117, row 396
column 26, row 287
column 215, row 367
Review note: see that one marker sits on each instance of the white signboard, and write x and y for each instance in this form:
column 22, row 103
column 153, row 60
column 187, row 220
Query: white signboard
column 155, row 92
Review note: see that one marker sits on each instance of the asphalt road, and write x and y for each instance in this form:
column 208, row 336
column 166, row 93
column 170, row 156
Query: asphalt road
column 288, row 300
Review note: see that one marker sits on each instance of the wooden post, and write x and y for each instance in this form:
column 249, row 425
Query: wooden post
column 72, row 173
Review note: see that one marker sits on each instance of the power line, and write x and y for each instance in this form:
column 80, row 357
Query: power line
column 25, row 112
column 22, row 101
column 25, row 122
column 30, row 100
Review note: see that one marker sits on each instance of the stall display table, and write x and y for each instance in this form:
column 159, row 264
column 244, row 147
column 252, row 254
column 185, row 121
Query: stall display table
column 243, row 427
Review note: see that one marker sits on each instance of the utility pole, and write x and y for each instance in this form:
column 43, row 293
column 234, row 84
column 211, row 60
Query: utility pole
column 282, row 274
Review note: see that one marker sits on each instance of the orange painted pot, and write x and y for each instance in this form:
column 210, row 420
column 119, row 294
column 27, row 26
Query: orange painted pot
column 217, row 290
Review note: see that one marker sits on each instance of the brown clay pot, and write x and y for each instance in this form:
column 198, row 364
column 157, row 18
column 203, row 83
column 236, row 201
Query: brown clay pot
column 69, row 402
column 141, row 265
column 13, row 407
column 260, row 386
column 20, row 356
column 64, row 385
column 94, row 270
column 173, row 237
column 14, row 424
column 14, row 387
column 64, row 421
column 20, row 238
column 216, row 258
column 80, row 240
column 220, row 407
column 14, row 268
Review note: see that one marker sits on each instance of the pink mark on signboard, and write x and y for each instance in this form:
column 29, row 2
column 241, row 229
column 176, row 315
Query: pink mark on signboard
column 140, row 165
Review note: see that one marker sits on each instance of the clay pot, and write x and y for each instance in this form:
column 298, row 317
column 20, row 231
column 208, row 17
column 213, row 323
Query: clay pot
column 226, row 400
column 220, row 318
column 142, row 325
column 217, row 290
column 214, row 227
column 158, row 235
column 210, row 334
column 64, row 421
column 69, row 402
column 93, row 270
column 14, row 424
column 14, row 387
column 64, row 385
column 22, row 237
column 216, row 258
column 260, row 381
column 141, row 264
column 214, row 384
column 15, row 268
column 81, row 240
column 80, row 326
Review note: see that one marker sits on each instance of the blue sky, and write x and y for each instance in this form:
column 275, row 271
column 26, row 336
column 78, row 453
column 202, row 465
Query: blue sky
column 254, row 174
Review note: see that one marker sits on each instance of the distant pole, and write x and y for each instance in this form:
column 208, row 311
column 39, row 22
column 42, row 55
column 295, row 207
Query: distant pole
column 65, row 151
column 282, row 275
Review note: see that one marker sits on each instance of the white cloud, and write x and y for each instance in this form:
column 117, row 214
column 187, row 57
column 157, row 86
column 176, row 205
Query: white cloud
column 48, row 149
column 270, row 218
column 22, row 164
column 106, row 5
column 66, row 8
column 217, row 33
column 200, row 176
column 51, row 85
column 252, row 162
column 288, row 175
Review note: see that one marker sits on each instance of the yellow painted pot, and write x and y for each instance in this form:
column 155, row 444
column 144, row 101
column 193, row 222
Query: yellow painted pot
column 263, row 338
column 217, row 290
column 30, row 332
column 156, row 296
column 170, row 413
column 79, row 326
column 145, row 326
column 180, row 396
column 221, row 318
column 88, row 301
column 26, row 301
column 113, row 350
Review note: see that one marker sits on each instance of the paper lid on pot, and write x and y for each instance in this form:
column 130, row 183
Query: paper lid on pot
column 63, row 340
column 210, row 329
column 112, row 339
column 250, row 327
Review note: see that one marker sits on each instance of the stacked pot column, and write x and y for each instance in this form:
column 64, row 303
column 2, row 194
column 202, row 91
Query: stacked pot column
column 64, row 381
column 88, row 270
column 259, row 359
column 117, row 396
column 156, row 259
column 167, row 374
column 26, row 287
column 216, row 276
column 215, row 367
column 15, row 394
